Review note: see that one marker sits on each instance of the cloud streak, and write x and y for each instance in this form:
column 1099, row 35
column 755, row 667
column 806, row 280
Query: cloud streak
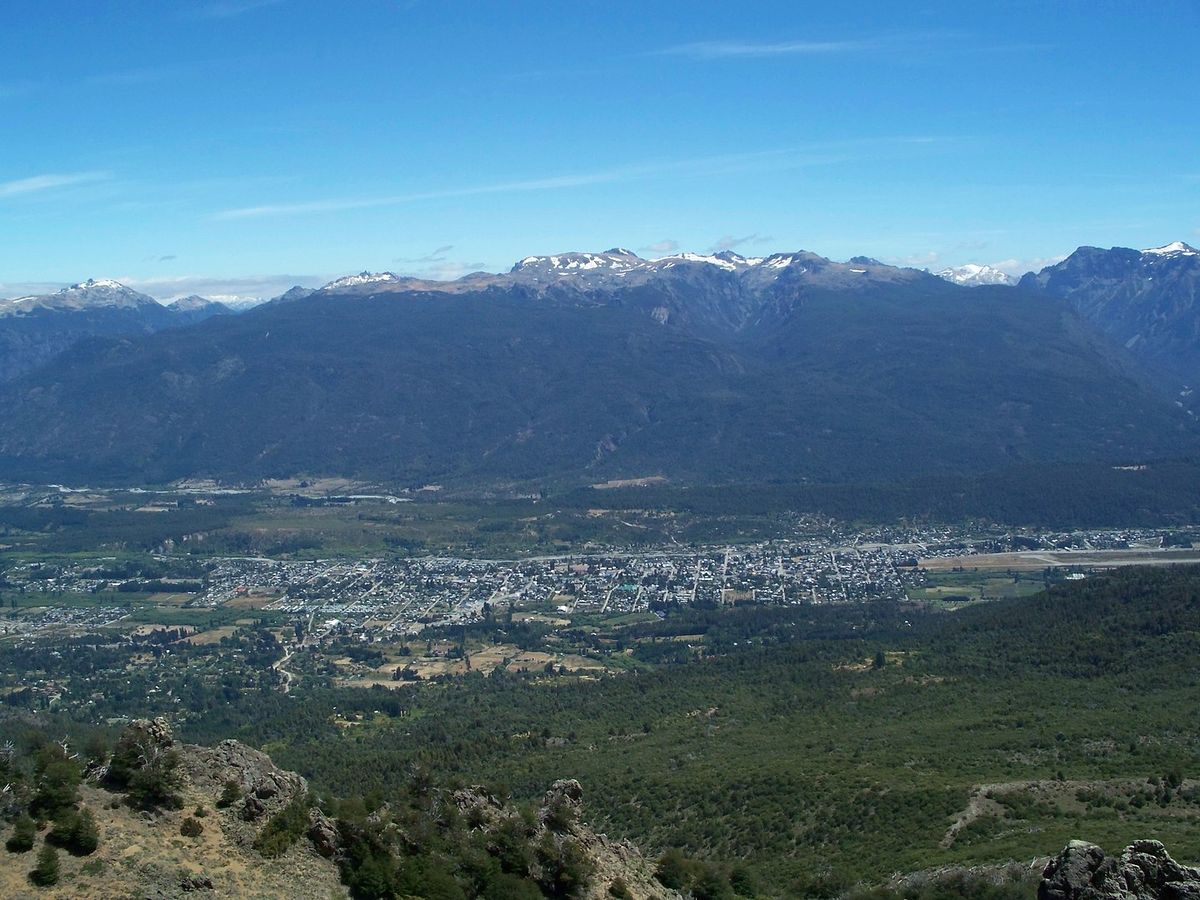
column 761, row 49
column 229, row 9
column 765, row 160
column 437, row 256
column 37, row 184
column 667, row 245
column 729, row 242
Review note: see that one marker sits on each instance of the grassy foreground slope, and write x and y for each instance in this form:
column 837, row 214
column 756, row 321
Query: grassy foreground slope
column 996, row 733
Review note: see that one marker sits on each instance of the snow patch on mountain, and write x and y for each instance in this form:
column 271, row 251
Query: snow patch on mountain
column 362, row 278
column 975, row 275
column 616, row 260
column 1175, row 248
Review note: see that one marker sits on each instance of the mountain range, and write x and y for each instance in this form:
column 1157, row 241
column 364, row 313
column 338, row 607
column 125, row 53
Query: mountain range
column 973, row 275
column 582, row 367
column 36, row 329
column 1147, row 301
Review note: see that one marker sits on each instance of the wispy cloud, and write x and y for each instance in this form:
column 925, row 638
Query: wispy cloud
column 765, row 160
column 39, row 183
column 1021, row 266
column 751, row 49
column 354, row 203
column 950, row 41
column 437, row 256
column 446, row 269
column 925, row 260
column 10, row 89
column 131, row 77
column 13, row 289
column 729, row 242
column 663, row 246
column 228, row 9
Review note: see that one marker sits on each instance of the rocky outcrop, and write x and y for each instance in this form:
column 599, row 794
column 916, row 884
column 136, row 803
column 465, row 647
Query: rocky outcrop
column 1143, row 871
column 612, row 865
column 323, row 833
column 264, row 787
column 195, row 844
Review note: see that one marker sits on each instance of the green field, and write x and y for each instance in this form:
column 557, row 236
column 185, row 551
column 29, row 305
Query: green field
column 952, row 589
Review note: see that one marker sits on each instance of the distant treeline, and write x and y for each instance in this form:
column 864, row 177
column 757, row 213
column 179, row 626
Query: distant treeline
column 1057, row 496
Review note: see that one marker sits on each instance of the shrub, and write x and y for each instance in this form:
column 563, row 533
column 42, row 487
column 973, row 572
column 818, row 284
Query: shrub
column 191, row 827
column 230, row 794
column 284, row 828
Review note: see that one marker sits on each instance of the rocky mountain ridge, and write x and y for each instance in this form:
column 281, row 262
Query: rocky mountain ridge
column 238, row 826
column 1145, row 300
column 196, row 845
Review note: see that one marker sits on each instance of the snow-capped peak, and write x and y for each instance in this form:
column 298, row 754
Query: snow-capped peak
column 974, row 275
column 95, row 293
column 616, row 259
column 362, row 278
column 93, row 283
column 1175, row 248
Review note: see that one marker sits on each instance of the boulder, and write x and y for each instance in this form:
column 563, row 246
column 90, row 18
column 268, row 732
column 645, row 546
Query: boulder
column 253, row 809
column 323, row 833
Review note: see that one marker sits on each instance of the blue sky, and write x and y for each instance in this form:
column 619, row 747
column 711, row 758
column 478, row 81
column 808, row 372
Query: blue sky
column 236, row 147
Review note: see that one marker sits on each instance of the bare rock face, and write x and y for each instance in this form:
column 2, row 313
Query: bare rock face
column 211, row 767
column 1143, row 871
column 323, row 833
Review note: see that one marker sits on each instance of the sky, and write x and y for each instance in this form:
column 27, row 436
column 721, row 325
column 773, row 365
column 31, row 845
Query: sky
column 234, row 148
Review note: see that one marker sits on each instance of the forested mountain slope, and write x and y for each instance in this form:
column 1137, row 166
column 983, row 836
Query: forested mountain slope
column 882, row 378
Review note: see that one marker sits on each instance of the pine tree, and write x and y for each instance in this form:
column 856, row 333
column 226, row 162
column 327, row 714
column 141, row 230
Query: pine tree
column 85, row 836
column 46, row 872
column 24, row 831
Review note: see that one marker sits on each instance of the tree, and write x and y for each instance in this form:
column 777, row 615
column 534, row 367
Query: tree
column 24, row 831
column 58, row 780
column 742, row 880
column 86, row 836
column 45, row 873
column 880, row 660
column 76, row 832
column 158, row 782
column 673, row 870
column 565, row 868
